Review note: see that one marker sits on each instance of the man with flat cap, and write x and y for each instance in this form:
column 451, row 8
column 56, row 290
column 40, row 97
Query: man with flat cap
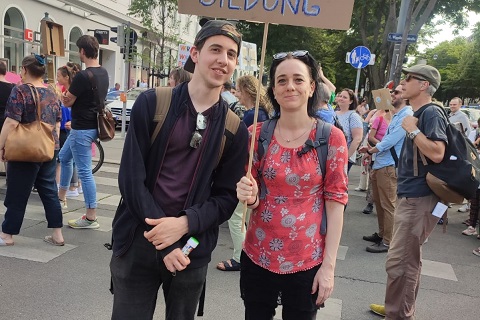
column 175, row 188
column 414, row 221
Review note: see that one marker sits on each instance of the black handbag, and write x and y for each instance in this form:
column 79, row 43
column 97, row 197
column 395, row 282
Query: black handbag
column 106, row 122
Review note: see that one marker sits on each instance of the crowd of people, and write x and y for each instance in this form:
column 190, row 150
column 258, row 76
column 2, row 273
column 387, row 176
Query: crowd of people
column 284, row 248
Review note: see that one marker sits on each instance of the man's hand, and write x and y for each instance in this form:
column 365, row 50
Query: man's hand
column 363, row 149
column 166, row 231
column 409, row 123
column 176, row 260
column 68, row 125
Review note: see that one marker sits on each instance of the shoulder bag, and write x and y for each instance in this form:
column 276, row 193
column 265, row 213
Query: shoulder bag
column 106, row 122
column 31, row 142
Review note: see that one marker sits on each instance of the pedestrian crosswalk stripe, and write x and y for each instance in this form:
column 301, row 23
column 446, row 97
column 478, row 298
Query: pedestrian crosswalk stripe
column 32, row 249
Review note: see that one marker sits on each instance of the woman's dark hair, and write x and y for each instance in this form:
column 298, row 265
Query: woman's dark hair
column 353, row 105
column 312, row 65
column 3, row 68
column 180, row 75
column 34, row 66
column 89, row 45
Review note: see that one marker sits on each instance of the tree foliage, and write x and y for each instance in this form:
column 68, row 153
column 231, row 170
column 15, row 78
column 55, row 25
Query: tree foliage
column 161, row 25
column 372, row 20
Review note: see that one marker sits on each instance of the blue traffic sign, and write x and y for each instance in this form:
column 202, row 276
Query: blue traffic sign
column 360, row 57
column 397, row 37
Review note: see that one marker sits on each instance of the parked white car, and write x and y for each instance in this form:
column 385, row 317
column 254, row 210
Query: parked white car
column 116, row 106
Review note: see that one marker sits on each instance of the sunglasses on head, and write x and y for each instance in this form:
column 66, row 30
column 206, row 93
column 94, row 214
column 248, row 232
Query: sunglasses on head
column 409, row 77
column 196, row 136
column 295, row 54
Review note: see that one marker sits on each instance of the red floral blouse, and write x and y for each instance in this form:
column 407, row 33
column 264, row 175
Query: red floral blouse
column 283, row 235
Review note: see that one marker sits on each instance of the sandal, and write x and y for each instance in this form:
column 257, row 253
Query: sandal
column 3, row 243
column 476, row 251
column 50, row 240
column 229, row 265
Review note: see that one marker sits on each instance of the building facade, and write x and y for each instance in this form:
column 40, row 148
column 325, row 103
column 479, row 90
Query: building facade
column 20, row 36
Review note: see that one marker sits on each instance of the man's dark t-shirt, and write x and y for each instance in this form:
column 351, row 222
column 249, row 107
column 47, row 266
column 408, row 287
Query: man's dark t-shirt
column 84, row 109
column 433, row 125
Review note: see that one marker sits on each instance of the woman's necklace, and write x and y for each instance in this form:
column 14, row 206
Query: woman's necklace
column 291, row 140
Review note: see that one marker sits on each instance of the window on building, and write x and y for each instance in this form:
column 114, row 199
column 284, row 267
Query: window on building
column 75, row 34
column 14, row 48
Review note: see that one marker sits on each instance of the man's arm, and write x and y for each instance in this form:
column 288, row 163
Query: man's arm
column 68, row 99
column 132, row 175
column 434, row 150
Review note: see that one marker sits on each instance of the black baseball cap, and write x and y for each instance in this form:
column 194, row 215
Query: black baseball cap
column 210, row 29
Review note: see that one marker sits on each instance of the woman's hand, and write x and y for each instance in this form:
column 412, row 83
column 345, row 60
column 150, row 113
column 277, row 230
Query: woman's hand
column 323, row 283
column 68, row 125
column 247, row 190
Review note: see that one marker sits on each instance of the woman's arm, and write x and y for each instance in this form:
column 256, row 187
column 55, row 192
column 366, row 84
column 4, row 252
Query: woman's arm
column 357, row 134
column 8, row 127
column 324, row 279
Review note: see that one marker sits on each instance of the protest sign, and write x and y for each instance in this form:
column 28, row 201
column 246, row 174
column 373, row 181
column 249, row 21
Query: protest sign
column 183, row 54
column 326, row 14
column 382, row 99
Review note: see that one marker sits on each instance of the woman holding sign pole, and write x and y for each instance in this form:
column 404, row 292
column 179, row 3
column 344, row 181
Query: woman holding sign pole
column 284, row 254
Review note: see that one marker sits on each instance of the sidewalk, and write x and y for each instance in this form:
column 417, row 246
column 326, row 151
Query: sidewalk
column 113, row 149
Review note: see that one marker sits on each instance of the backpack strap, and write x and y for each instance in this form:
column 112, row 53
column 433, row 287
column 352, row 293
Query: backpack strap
column 232, row 122
column 321, row 137
column 164, row 99
column 266, row 133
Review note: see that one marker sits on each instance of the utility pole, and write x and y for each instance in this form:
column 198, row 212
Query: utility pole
column 126, row 51
column 402, row 17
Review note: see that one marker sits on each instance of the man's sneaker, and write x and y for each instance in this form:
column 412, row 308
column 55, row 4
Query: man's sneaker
column 373, row 238
column 378, row 309
column 83, row 223
column 368, row 209
column 72, row 193
column 470, row 231
column 378, row 247
column 441, row 221
column 464, row 208
column 359, row 189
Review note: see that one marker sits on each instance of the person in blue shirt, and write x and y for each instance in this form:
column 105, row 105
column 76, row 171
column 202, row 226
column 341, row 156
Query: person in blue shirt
column 116, row 88
column 325, row 110
column 384, row 176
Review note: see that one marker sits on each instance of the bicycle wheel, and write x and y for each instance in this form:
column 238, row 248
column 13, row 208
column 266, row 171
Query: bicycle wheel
column 98, row 156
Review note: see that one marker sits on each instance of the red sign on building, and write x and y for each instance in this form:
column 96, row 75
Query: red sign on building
column 28, row 35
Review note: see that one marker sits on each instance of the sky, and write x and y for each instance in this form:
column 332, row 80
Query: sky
column 446, row 32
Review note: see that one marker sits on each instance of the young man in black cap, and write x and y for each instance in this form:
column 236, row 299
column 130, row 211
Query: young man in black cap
column 173, row 189
column 414, row 220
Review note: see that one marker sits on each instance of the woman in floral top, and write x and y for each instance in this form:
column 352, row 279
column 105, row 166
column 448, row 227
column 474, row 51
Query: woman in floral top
column 285, row 256
column 22, row 176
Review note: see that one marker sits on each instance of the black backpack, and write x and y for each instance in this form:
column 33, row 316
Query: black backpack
column 457, row 176
column 320, row 144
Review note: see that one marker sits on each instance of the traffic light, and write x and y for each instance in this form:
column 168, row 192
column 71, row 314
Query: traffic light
column 120, row 38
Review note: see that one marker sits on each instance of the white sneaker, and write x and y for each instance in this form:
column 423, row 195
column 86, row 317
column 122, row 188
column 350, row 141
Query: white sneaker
column 464, row 208
column 63, row 205
column 470, row 231
column 72, row 193
column 80, row 190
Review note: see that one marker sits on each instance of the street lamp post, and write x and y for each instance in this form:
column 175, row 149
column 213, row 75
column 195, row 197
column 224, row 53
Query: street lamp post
column 402, row 17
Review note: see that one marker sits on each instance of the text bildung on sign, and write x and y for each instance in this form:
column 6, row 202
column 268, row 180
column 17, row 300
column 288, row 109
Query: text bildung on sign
column 326, row 14
column 183, row 54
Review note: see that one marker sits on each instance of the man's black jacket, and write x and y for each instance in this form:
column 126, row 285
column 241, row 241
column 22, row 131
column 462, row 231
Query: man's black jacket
column 213, row 196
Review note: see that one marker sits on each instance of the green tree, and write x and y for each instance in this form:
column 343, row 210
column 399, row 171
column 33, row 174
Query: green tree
column 372, row 20
column 161, row 23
